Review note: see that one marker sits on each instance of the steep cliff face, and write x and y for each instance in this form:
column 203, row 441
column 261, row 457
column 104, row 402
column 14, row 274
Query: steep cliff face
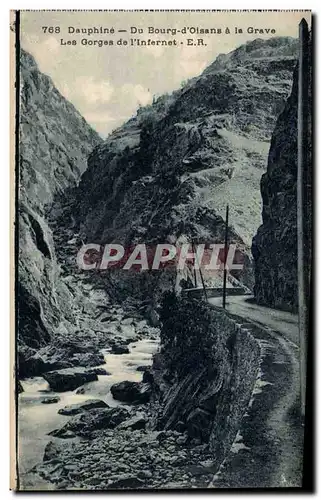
column 55, row 139
column 168, row 173
column 54, row 144
column 164, row 176
column 274, row 247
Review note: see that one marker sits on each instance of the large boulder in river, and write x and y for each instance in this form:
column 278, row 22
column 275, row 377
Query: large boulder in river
column 75, row 409
column 119, row 349
column 131, row 392
column 148, row 377
column 68, row 380
column 87, row 422
column 57, row 357
column 142, row 368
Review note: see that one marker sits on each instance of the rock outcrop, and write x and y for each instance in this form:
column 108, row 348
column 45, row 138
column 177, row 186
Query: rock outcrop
column 55, row 141
column 274, row 247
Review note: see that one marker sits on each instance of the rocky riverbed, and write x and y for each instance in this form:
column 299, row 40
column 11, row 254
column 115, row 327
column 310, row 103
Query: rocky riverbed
column 44, row 396
column 85, row 417
column 86, row 439
column 127, row 458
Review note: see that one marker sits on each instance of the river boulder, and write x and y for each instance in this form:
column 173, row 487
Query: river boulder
column 68, row 380
column 131, row 392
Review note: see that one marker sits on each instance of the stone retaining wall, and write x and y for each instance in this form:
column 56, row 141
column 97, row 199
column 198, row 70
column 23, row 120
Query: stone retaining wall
column 211, row 408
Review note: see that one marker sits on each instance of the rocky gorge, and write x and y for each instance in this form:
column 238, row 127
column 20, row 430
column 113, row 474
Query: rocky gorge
column 122, row 384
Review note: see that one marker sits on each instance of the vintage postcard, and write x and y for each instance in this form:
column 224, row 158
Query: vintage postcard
column 161, row 228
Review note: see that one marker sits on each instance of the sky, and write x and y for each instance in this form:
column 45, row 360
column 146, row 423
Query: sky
column 107, row 84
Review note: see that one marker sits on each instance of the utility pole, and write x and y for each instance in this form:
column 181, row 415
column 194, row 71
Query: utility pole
column 204, row 287
column 302, row 208
column 201, row 275
column 194, row 270
column 225, row 257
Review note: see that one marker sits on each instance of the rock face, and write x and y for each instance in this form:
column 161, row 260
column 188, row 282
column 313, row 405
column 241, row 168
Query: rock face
column 55, row 141
column 274, row 247
column 168, row 173
column 58, row 356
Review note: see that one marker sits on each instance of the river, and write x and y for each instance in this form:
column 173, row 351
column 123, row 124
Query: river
column 36, row 419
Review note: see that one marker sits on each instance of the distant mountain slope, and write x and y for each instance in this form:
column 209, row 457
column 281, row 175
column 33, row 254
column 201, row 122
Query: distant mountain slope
column 168, row 173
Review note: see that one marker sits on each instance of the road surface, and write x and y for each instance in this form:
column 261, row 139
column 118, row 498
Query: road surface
column 268, row 449
column 283, row 322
